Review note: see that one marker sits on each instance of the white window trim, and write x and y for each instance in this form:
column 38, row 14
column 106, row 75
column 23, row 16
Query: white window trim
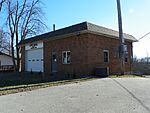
column 108, row 55
column 62, row 57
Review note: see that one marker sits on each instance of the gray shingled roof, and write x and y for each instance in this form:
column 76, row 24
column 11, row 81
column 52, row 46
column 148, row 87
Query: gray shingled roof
column 85, row 26
column 109, row 32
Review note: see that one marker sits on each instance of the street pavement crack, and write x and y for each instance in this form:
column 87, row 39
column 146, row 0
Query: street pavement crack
column 134, row 96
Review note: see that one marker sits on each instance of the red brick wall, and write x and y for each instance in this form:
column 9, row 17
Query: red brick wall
column 78, row 47
column 86, row 53
column 95, row 53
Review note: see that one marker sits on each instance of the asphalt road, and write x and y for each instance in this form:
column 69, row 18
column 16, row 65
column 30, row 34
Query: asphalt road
column 125, row 95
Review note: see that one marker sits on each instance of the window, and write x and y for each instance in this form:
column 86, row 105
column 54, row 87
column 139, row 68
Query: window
column 116, row 52
column 126, row 53
column 66, row 57
column 54, row 56
column 106, row 56
column 33, row 46
column 126, row 56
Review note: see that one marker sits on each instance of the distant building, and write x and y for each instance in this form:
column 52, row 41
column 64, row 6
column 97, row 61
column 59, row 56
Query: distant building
column 76, row 49
column 6, row 63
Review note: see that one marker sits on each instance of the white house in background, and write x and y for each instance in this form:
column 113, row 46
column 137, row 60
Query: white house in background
column 5, row 60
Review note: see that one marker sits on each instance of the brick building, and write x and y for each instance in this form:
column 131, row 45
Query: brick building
column 75, row 49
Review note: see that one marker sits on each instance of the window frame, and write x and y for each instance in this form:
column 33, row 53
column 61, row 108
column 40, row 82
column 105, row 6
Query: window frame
column 126, row 57
column 126, row 54
column 107, row 51
column 66, row 56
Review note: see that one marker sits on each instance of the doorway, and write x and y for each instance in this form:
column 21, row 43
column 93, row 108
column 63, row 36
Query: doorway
column 54, row 62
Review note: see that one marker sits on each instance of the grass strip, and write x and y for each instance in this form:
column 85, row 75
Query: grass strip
column 30, row 87
column 125, row 76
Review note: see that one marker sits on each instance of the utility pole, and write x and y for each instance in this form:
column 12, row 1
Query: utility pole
column 122, row 41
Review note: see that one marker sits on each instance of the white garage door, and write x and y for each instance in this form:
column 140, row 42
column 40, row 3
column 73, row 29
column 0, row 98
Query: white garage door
column 34, row 60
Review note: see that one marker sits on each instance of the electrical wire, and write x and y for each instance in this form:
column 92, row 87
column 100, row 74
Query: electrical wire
column 144, row 36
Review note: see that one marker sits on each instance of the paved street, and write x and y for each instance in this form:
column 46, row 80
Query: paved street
column 125, row 95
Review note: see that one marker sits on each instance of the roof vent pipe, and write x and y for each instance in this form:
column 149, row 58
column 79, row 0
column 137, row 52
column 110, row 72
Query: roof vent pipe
column 54, row 27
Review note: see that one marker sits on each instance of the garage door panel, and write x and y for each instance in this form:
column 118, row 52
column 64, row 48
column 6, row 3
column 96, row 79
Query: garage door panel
column 34, row 60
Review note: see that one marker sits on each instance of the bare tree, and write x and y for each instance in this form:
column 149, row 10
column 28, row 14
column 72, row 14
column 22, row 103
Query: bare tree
column 1, row 4
column 31, row 21
column 4, row 42
column 141, row 66
column 24, row 19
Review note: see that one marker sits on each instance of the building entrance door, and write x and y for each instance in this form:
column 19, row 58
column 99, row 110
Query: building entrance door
column 54, row 63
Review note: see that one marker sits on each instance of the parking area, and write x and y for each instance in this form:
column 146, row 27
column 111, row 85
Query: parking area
column 117, row 95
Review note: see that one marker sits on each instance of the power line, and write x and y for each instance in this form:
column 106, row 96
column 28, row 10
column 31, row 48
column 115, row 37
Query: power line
column 144, row 36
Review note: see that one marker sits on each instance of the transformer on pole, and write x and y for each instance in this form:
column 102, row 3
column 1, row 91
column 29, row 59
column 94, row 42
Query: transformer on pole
column 121, row 38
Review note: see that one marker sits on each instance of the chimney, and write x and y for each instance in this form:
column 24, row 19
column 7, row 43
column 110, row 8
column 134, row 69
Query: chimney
column 53, row 27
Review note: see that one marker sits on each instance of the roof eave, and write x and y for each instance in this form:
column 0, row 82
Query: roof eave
column 110, row 36
column 76, row 33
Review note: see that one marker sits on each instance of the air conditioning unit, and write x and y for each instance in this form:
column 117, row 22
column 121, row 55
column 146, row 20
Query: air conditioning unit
column 101, row 71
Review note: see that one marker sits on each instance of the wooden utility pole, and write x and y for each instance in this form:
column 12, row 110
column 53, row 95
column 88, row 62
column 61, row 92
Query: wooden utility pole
column 121, row 37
